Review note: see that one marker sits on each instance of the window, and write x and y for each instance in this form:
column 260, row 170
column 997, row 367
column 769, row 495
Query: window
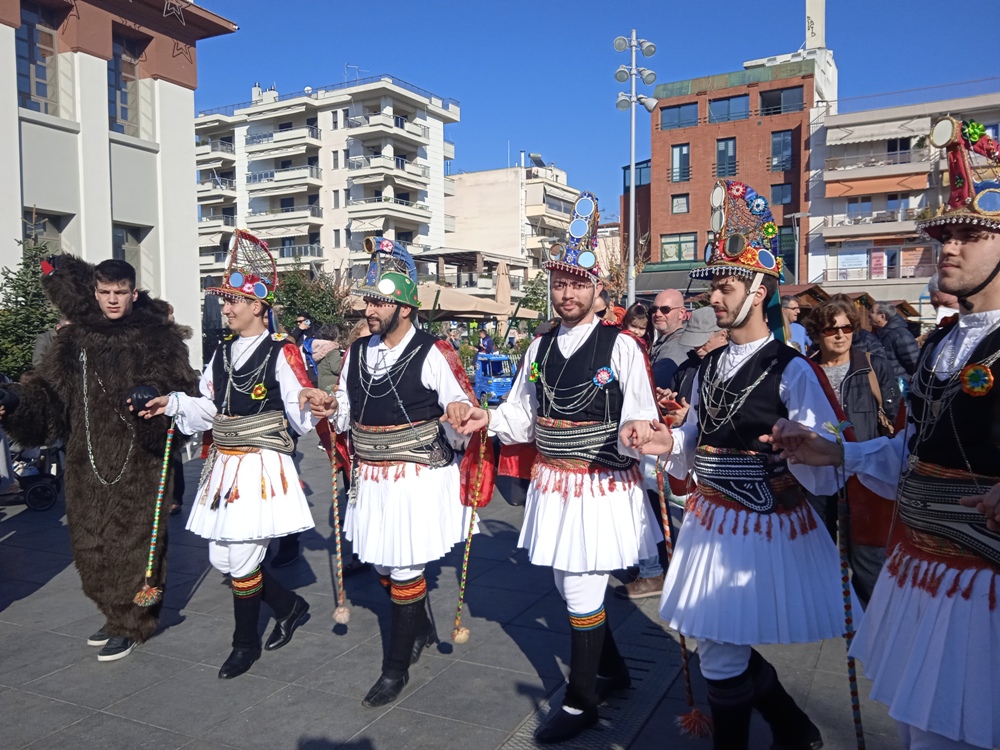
column 287, row 204
column 346, row 114
column 680, row 204
column 642, row 173
column 347, row 155
column 898, row 205
column 39, row 228
column 781, row 101
column 313, row 199
column 781, row 150
column 558, row 204
column 787, row 250
column 898, row 150
column 285, row 164
column 35, row 43
column 858, row 208
column 993, row 131
column 727, row 110
column 125, row 246
column 336, row 238
column 336, row 160
column 347, row 196
column 123, row 85
column 404, row 237
column 781, row 195
column 678, row 248
column 336, row 200
column 681, row 116
column 725, row 157
column 680, row 163
column 285, row 126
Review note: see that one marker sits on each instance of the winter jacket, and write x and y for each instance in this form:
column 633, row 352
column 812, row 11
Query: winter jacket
column 683, row 381
column 900, row 346
column 867, row 341
column 328, row 361
column 856, row 395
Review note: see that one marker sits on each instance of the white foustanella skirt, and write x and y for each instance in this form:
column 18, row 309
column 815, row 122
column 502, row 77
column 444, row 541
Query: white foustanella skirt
column 406, row 514
column 248, row 496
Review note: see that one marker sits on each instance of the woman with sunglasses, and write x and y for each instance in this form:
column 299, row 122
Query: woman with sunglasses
column 832, row 326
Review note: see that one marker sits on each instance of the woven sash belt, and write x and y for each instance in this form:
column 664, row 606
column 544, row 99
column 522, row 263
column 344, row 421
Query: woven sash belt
column 266, row 430
column 594, row 443
column 928, row 502
column 748, row 478
column 422, row 443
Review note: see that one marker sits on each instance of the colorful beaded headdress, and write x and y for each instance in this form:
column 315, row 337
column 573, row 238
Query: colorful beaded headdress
column 577, row 255
column 392, row 274
column 251, row 273
column 746, row 237
column 974, row 176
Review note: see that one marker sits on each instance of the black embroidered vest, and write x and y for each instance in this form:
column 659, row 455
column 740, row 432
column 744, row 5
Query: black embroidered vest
column 262, row 395
column 568, row 376
column 375, row 403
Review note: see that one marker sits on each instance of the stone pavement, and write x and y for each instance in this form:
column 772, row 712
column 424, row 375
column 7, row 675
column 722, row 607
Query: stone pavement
column 481, row 695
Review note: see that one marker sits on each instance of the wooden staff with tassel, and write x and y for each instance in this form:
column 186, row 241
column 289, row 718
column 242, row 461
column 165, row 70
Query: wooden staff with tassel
column 460, row 634
column 150, row 595
column 342, row 614
column 695, row 723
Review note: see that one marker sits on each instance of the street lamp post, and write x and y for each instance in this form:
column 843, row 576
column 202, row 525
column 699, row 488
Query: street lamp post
column 628, row 101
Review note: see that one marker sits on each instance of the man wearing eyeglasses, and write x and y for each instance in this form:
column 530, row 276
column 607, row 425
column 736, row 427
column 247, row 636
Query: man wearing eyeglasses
column 666, row 355
column 790, row 310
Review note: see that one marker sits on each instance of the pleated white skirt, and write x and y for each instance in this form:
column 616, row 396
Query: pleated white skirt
column 930, row 642
column 587, row 522
column 748, row 578
column 406, row 514
column 258, row 496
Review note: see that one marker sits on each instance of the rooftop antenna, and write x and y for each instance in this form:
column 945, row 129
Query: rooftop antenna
column 358, row 70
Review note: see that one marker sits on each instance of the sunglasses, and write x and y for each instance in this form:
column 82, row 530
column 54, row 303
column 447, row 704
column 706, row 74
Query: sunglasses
column 664, row 309
column 602, row 313
column 832, row 330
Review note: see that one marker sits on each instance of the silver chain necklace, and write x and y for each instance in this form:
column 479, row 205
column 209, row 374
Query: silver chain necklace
column 720, row 400
column 249, row 380
column 578, row 396
column 86, row 423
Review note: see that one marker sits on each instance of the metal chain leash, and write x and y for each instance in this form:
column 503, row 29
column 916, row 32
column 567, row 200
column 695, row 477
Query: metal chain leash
column 86, row 424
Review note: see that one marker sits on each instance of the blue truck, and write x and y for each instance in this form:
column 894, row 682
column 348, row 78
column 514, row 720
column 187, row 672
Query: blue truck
column 494, row 377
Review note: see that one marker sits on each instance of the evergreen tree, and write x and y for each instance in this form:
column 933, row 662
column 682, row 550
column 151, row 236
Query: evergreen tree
column 24, row 310
column 319, row 296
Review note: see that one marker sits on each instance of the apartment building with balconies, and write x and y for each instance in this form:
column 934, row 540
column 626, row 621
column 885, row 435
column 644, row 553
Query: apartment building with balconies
column 96, row 140
column 875, row 174
column 314, row 172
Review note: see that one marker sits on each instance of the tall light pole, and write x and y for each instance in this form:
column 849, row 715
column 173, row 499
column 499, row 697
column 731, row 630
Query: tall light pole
column 628, row 101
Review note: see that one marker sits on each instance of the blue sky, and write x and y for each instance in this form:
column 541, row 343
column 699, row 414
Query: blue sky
column 539, row 74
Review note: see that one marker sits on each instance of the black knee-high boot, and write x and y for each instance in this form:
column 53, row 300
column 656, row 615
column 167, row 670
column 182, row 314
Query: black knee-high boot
column 289, row 611
column 790, row 726
column 587, row 641
column 731, row 701
column 408, row 616
column 612, row 672
column 246, row 610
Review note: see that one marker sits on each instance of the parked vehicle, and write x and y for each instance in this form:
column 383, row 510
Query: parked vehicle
column 494, row 377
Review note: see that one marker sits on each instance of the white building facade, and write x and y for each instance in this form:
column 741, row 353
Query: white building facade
column 314, row 172
column 96, row 140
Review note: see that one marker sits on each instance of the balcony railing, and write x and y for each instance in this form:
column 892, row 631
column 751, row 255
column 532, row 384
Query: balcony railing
column 390, row 121
column 780, row 164
column 780, row 109
column 878, row 273
column 303, row 251
column 383, row 199
column 874, row 217
column 387, row 162
column 270, row 175
column 725, row 169
column 312, row 209
column 252, row 140
column 228, row 221
column 221, row 183
column 878, row 160
column 215, row 145
column 680, row 174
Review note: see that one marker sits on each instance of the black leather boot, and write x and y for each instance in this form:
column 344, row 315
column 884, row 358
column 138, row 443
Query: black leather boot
column 426, row 635
column 731, row 701
column 790, row 726
column 408, row 615
column 612, row 673
column 246, row 611
column 586, row 645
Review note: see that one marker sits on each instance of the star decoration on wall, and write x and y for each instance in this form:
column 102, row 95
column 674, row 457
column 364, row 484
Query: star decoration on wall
column 183, row 50
column 175, row 8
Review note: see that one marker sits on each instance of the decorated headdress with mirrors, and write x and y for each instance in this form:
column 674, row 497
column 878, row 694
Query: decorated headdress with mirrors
column 578, row 254
column 974, row 177
column 745, row 245
column 392, row 274
column 251, row 273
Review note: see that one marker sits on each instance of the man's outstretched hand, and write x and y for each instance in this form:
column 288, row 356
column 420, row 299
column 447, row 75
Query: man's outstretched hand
column 465, row 418
column 321, row 404
column 988, row 505
column 659, row 441
column 800, row 445
column 149, row 409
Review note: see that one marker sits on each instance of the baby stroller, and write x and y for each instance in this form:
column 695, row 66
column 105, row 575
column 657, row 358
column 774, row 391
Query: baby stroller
column 38, row 471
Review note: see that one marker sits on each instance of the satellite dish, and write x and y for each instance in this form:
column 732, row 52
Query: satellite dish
column 308, row 89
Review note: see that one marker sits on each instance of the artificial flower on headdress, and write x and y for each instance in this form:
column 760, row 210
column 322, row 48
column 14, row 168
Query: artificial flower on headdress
column 757, row 206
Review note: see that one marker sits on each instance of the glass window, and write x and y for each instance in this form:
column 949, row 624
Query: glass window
column 680, row 204
column 287, row 203
column 859, row 207
column 781, row 101
column 336, row 202
column 681, row 116
column 680, row 163
column 642, row 173
column 35, row 45
column 787, row 250
column 123, row 85
column 125, row 245
column 336, row 160
column 993, row 131
column 898, row 150
column 781, row 195
column 39, row 228
column 725, row 157
column 336, row 238
column 346, row 114
column 781, row 150
column 731, row 108
column 284, row 126
column 678, row 248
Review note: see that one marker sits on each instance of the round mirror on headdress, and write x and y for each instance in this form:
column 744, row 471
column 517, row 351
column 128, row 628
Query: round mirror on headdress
column 578, row 228
column 735, row 244
column 233, row 241
column 586, row 260
column 944, row 132
column 988, row 202
column 557, row 251
column 369, row 245
column 259, row 290
column 718, row 219
column 709, row 249
column 387, row 286
column 718, row 196
column 766, row 259
column 584, row 207
column 236, row 279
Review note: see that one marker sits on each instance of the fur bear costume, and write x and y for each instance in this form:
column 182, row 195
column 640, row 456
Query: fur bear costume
column 110, row 522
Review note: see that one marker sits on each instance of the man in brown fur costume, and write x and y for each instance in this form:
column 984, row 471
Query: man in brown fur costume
column 122, row 345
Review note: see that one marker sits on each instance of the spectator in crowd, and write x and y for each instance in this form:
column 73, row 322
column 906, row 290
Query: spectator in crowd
column 790, row 311
column 854, row 376
column 454, row 339
column 945, row 305
column 360, row 329
column 636, row 320
column 701, row 335
column 668, row 315
column 486, row 345
column 326, row 353
column 900, row 345
column 302, row 330
column 602, row 303
column 862, row 339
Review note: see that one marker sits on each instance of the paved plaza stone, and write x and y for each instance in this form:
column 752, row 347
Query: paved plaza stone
column 489, row 693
